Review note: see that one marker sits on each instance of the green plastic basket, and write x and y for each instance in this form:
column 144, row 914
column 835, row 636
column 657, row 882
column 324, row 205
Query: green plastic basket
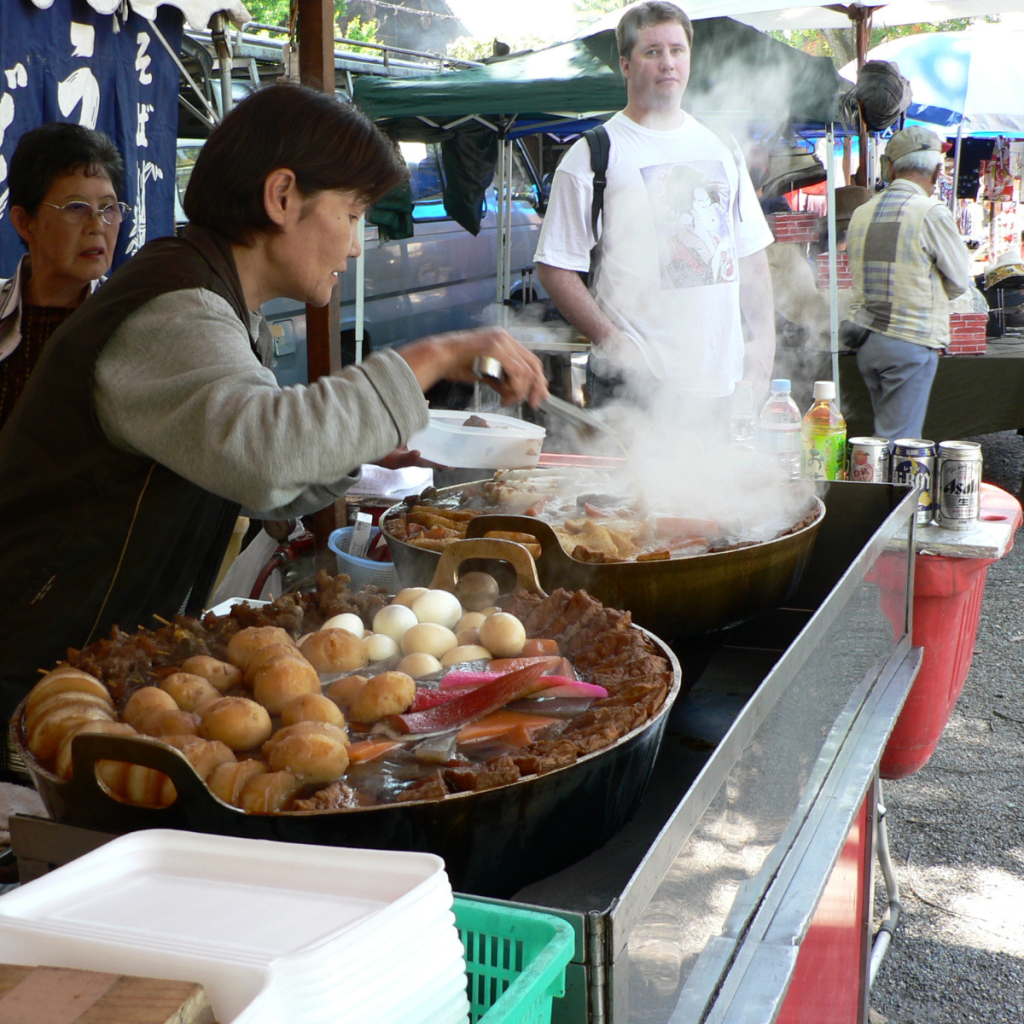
column 515, row 961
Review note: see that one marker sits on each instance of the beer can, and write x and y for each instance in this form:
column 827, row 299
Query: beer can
column 913, row 463
column 958, row 484
column 869, row 460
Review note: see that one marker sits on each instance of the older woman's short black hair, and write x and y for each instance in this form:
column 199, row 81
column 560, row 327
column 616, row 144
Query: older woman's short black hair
column 328, row 144
column 653, row 12
column 55, row 149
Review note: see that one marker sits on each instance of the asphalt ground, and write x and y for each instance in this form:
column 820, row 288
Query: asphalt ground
column 956, row 828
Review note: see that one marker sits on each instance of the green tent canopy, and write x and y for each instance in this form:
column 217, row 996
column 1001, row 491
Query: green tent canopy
column 737, row 72
column 740, row 79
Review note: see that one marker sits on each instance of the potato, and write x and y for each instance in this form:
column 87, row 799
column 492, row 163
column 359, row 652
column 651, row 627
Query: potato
column 219, row 674
column 45, row 738
column 281, row 681
column 268, row 792
column 146, row 700
column 343, row 691
column 312, row 707
column 246, row 642
column 203, row 755
column 237, row 722
column 63, row 765
column 62, row 679
column 227, row 780
column 318, row 754
column 188, row 690
column 65, row 697
column 148, row 787
column 389, row 693
column 267, row 656
column 167, row 723
column 335, row 650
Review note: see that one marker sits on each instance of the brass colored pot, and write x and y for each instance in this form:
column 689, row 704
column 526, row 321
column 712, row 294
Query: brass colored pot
column 673, row 598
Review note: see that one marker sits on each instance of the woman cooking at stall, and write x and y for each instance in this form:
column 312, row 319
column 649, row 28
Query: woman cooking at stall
column 151, row 416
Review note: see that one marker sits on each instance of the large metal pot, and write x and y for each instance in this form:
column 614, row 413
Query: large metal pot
column 673, row 598
column 493, row 842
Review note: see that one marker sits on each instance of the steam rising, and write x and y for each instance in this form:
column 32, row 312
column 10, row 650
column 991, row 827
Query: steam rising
column 672, row 457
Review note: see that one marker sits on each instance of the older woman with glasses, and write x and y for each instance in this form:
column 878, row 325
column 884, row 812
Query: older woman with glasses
column 153, row 416
column 64, row 182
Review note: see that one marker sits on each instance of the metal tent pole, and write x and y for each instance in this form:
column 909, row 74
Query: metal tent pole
column 833, row 284
column 507, row 284
column 956, row 165
column 315, row 29
column 360, row 288
column 500, row 275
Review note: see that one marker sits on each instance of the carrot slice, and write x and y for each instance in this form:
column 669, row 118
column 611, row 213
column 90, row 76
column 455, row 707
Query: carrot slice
column 539, row 648
column 503, row 722
column 368, row 750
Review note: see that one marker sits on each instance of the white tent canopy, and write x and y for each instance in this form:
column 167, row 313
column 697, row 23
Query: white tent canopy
column 197, row 12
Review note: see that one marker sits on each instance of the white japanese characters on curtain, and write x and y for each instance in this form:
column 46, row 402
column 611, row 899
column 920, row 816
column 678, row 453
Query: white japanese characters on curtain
column 105, row 71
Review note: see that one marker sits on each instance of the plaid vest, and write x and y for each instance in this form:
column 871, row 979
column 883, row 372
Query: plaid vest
column 897, row 291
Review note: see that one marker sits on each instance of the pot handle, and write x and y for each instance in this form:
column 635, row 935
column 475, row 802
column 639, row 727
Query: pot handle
column 446, row 576
column 193, row 805
column 552, row 554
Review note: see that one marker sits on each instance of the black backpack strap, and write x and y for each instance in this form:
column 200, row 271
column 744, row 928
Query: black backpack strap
column 600, row 145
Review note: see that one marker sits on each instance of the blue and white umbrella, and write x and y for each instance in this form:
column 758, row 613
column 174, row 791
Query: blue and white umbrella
column 973, row 77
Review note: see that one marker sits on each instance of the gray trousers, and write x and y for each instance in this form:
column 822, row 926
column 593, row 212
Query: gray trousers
column 899, row 376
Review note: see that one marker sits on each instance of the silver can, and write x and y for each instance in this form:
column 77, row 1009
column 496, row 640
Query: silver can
column 958, row 484
column 913, row 463
column 869, row 460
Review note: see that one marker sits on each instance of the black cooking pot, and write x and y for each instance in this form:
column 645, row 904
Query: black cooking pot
column 493, row 842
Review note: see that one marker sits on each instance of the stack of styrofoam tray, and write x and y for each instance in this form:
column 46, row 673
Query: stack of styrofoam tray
column 273, row 931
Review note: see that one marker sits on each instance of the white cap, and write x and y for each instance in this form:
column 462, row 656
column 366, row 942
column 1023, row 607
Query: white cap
column 824, row 390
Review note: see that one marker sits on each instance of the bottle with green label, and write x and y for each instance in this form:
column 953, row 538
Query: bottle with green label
column 824, row 436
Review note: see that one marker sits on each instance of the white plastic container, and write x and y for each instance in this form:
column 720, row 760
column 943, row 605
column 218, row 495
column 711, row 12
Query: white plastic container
column 505, row 443
column 329, row 933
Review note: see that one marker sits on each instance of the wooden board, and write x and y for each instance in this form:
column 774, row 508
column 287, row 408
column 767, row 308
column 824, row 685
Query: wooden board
column 56, row 995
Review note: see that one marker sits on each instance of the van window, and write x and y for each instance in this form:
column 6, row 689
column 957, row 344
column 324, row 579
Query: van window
column 426, row 181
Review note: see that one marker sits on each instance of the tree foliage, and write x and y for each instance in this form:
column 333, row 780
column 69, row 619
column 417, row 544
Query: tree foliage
column 841, row 45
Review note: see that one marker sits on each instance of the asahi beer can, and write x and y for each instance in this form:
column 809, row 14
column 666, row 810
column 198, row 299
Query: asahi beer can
column 869, row 460
column 958, row 484
column 913, row 463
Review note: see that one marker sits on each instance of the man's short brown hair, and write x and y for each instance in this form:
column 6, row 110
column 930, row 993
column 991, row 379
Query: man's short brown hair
column 328, row 144
column 651, row 12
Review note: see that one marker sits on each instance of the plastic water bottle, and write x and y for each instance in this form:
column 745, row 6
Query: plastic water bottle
column 824, row 436
column 743, row 421
column 778, row 430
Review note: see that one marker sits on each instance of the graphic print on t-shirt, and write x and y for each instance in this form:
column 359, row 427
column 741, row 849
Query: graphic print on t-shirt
column 690, row 204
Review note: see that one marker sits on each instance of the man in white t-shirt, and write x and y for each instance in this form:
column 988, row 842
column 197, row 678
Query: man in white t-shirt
column 681, row 261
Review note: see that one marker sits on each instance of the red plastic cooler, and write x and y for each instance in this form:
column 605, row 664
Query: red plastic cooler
column 947, row 605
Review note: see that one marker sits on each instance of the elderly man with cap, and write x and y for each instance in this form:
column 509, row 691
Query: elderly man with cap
column 907, row 261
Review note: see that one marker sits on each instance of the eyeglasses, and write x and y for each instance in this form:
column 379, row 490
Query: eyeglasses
column 80, row 213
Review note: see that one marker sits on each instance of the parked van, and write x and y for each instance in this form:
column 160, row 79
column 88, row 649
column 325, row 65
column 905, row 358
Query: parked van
column 441, row 279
